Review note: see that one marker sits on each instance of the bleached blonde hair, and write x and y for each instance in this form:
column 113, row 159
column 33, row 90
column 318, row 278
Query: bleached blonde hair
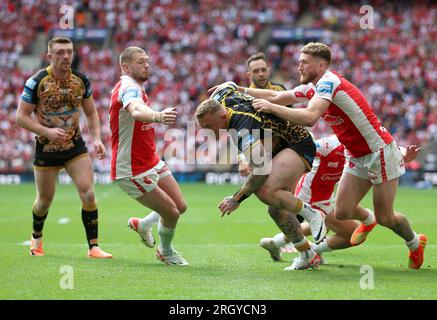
column 206, row 107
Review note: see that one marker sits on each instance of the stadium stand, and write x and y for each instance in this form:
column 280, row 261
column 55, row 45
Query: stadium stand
column 197, row 44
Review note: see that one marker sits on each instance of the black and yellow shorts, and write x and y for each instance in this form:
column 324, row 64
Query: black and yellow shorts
column 58, row 159
column 306, row 149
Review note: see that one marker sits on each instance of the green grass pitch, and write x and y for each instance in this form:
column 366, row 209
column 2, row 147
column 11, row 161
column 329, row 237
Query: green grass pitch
column 226, row 261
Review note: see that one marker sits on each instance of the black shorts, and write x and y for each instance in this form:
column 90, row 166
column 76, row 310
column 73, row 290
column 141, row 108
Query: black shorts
column 58, row 159
column 306, row 149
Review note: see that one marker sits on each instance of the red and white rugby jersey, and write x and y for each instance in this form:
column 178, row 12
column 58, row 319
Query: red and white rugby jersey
column 349, row 115
column 318, row 184
column 133, row 142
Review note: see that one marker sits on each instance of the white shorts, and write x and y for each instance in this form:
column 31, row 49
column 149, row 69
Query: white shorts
column 145, row 182
column 380, row 166
column 326, row 206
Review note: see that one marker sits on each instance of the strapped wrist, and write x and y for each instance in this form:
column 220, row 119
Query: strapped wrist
column 241, row 198
column 156, row 117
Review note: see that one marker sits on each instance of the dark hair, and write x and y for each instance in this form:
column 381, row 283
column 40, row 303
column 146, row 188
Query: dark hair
column 256, row 56
column 58, row 40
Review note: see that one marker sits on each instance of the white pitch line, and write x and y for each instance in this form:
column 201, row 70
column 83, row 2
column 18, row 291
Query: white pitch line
column 63, row 220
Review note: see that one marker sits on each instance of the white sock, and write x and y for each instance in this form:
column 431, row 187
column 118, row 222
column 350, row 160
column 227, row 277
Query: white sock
column 370, row 218
column 279, row 240
column 148, row 221
column 307, row 212
column 306, row 254
column 413, row 244
column 322, row 247
column 166, row 236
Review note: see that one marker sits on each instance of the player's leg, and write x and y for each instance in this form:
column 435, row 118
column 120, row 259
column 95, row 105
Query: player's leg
column 168, row 184
column 351, row 191
column 287, row 168
column 45, row 182
column 159, row 201
column 80, row 169
column 290, row 227
column 342, row 229
column 383, row 200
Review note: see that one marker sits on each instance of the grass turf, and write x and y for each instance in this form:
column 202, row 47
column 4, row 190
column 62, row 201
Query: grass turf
column 226, row 261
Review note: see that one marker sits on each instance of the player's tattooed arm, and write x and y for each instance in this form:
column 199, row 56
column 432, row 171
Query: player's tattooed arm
column 258, row 175
column 258, row 162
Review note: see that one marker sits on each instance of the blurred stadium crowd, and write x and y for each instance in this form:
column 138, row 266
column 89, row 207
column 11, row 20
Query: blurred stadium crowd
column 196, row 44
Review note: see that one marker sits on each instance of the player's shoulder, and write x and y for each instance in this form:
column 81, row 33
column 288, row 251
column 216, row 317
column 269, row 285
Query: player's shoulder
column 36, row 78
column 80, row 75
column 330, row 76
column 328, row 82
column 127, row 82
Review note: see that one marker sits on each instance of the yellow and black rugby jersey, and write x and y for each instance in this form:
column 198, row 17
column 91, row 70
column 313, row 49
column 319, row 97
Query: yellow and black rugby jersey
column 270, row 86
column 243, row 118
column 58, row 104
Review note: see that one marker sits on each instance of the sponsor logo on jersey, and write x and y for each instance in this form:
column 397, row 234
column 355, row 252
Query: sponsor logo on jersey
column 330, row 177
column 333, row 120
column 146, row 126
column 333, row 164
column 64, row 91
column 325, row 87
column 30, row 83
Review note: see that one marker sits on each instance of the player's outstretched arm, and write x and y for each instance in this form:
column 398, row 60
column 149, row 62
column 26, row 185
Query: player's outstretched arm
column 24, row 119
column 303, row 116
column 283, row 98
column 278, row 97
column 141, row 112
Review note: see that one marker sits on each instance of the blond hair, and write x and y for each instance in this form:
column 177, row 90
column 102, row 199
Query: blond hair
column 128, row 53
column 206, row 107
column 58, row 40
column 318, row 49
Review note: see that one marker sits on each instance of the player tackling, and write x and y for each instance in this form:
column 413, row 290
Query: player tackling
column 373, row 157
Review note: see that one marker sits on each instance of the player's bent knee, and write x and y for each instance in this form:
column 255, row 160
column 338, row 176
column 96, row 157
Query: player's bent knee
column 40, row 206
column 341, row 214
column 88, row 197
column 43, row 203
column 172, row 214
column 385, row 221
